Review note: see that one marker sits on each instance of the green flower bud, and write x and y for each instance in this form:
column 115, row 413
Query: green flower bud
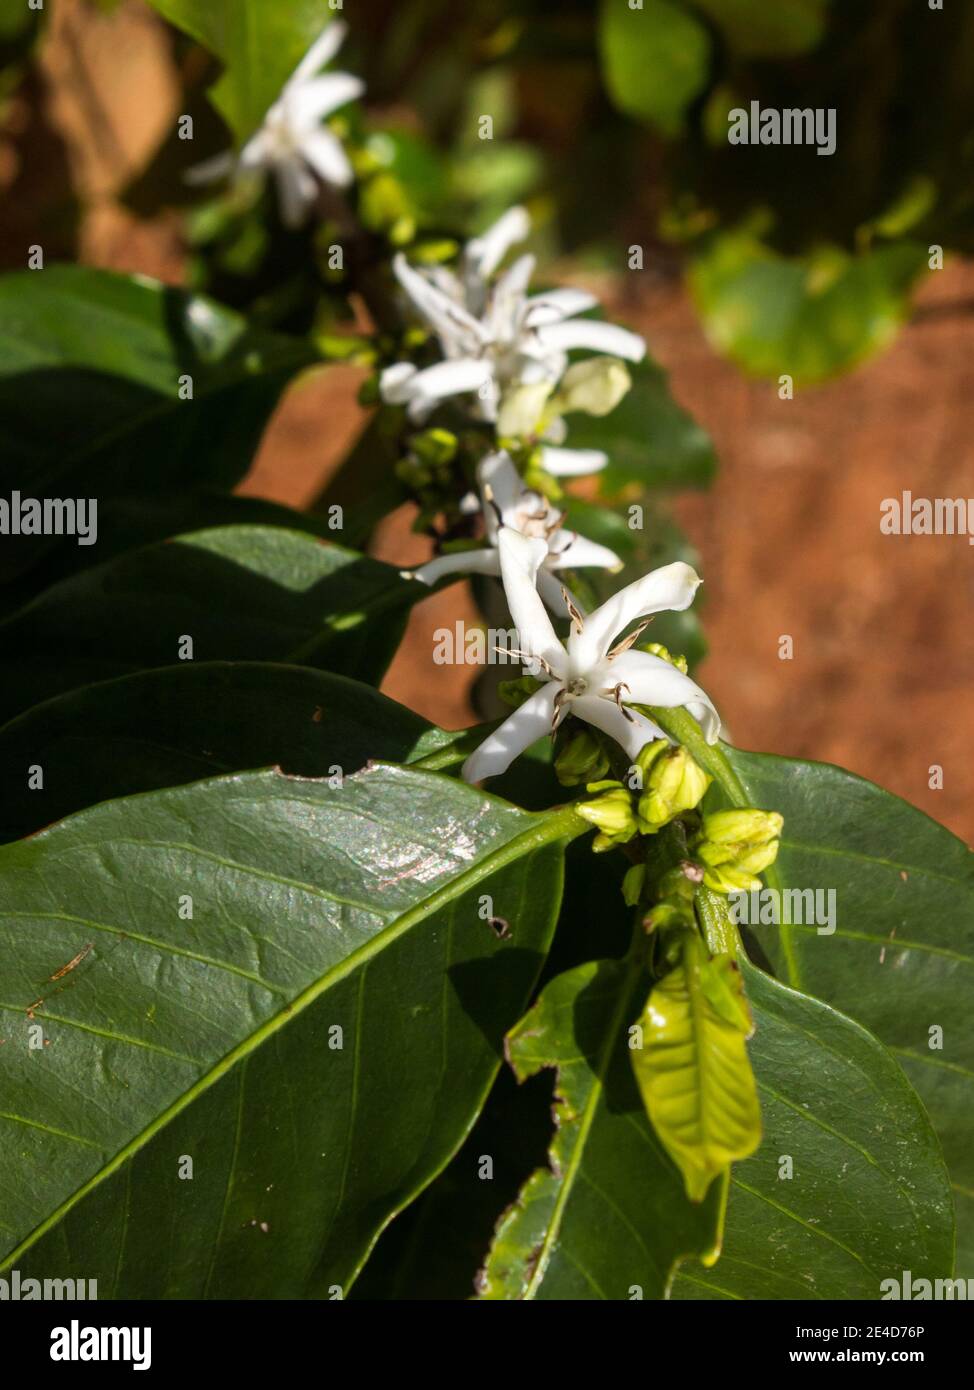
column 728, row 878
column 632, row 884
column 676, row 885
column 413, row 473
column 669, row 913
column 657, row 649
column 582, row 759
column 435, row 447
column 742, row 828
column 648, row 755
column 384, row 202
column 611, row 813
column 735, row 846
column 675, row 784
column 594, row 386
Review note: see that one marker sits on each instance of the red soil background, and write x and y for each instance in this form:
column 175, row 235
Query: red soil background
column 881, row 677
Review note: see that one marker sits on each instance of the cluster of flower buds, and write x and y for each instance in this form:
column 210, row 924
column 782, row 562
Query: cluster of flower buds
column 734, row 847
column 664, row 782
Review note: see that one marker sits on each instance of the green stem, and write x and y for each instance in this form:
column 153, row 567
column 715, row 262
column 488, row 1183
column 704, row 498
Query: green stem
column 458, row 751
column 713, row 759
column 711, row 756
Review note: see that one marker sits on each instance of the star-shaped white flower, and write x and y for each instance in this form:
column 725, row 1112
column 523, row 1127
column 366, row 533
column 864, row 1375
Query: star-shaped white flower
column 507, row 504
column 589, row 677
column 291, row 143
column 494, row 336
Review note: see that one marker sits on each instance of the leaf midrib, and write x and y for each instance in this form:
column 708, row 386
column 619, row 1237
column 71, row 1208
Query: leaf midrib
column 563, row 824
column 633, row 975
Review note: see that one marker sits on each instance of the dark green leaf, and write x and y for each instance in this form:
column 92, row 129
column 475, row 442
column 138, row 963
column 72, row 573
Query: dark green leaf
column 241, row 593
column 756, row 29
column 609, row 1215
column 866, row 1196
column 129, row 521
column 213, row 1037
column 260, row 42
column 650, row 439
column 901, row 957
column 90, row 371
column 181, row 723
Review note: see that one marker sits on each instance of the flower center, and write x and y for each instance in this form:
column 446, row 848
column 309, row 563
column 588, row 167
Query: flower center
column 577, row 685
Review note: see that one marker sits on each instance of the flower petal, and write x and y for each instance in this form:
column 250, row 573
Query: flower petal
column 571, row 551
column 630, row 734
column 671, row 587
column 552, row 589
column 324, row 48
column 594, row 335
column 307, row 104
column 459, row 562
column 497, row 472
column 521, row 557
column 394, row 383
column 554, row 305
column 445, row 316
column 483, row 254
column 324, row 153
column 653, row 681
column 296, row 190
column 514, row 280
column 211, row 170
column 525, row 726
column 571, row 463
column 444, row 379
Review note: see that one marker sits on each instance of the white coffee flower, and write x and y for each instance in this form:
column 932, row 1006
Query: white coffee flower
column 292, row 144
column 590, row 678
column 495, row 337
column 507, row 504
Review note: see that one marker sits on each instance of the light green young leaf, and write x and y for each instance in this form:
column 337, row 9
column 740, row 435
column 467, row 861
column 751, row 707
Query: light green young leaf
column 609, row 1216
column 693, row 1070
column 655, row 59
column 807, row 318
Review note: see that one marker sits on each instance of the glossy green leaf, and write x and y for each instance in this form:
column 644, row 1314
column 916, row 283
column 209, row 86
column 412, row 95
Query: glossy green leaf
column 91, row 370
column 756, row 29
column 655, row 59
column 900, row 959
column 200, row 719
column 693, row 1070
column 806, row 318
column 316, row 1038
column 867, row 1198
column 131, row 520
column 241, row 593
column 849, row 1186
column 260, row 43
column 609, row 1216
column 649, row 438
